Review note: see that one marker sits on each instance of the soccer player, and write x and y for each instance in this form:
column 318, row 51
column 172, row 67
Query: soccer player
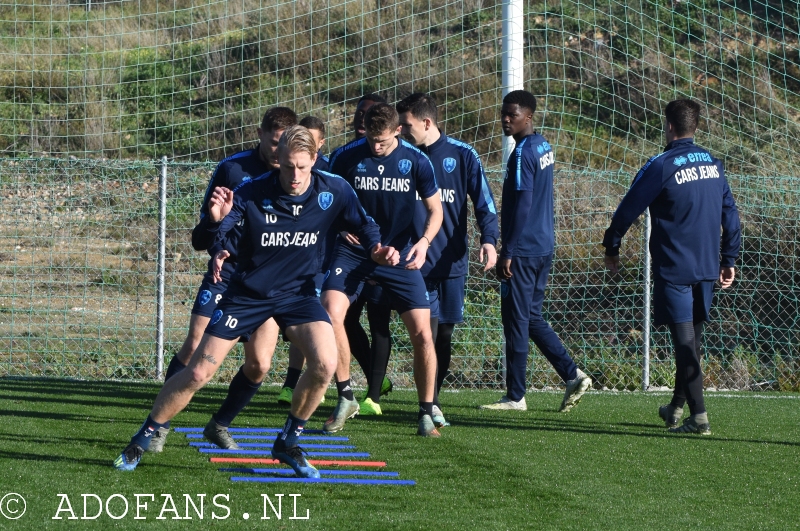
column 460, row 175
column 526, row 256
column 283, row 217
column 690, row 203
column 387, row 173
column 317, row 128
column 230, row 173
column 359, row 342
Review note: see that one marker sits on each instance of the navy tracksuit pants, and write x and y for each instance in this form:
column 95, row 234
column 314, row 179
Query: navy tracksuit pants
column 521, row 302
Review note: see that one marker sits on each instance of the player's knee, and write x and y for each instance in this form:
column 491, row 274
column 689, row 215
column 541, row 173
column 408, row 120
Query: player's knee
column 199, row 376
column 421, row 337
column 256, row 369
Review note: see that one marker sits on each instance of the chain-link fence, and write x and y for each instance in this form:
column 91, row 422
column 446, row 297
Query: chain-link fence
column 78, row 282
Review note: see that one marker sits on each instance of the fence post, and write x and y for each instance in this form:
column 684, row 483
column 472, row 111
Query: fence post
column 162, row 244
column 646, row 318
column 513, row 76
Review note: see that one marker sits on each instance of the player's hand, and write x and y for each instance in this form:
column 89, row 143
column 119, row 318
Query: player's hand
column 416, row 256
column 503, row 269
column 488, row 251
column 385, row 255
column 726, row 275
column 350, row 238
column 216, row 267
column 612, row 264
column 220, row 203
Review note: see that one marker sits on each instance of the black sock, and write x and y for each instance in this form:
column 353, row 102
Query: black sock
column 343, row 389
column 380, row 315
column 425, row 408
column 145, row 433
column 356, row 336
column 240, row 392
column 290, row 435
column 292, row 375
column 444, row 349
column 175, row 366
column 688, row 373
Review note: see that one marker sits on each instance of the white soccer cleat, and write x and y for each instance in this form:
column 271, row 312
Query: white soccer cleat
column 506, row 403
column 575, row 389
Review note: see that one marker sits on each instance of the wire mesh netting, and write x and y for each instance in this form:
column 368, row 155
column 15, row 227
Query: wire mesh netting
column 78, row 282
column 93, row 92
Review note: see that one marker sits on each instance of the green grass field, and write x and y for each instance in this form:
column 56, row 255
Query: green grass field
column 608, row 464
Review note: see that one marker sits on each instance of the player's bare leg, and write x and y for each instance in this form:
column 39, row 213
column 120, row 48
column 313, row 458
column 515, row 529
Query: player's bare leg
column 179, row 390
column 418, row 323
column 293, row 373
column 316, row 340
column 258, row 351
column 336, row 304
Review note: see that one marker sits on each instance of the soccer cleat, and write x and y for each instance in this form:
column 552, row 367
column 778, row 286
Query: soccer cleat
column 507, row 403
column 294, row 458
column 671, row 415
column 691, row 425
column 427, row 428
column 438, row 417
column 158, row 441
column 575, row 389
column 219, row 435
column 129, row 458
column 285, row 397
column 368, row 407
column 345, row 409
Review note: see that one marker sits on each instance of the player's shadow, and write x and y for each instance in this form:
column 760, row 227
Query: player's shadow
column 104, row 463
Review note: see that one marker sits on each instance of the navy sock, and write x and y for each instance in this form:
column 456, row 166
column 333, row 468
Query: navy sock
column 292, row 375
column 175, row 366
column 290, row 435
column 145, row 433
column 425, row 408
column 344, row 389
column 240, row 392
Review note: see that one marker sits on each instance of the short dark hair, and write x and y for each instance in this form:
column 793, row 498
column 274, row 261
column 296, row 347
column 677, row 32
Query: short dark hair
column 523, row 98
column 381, row 117
column 373, row 97
column 312, row 122
column 420, row 105
column 684, row 115
column 278, row 118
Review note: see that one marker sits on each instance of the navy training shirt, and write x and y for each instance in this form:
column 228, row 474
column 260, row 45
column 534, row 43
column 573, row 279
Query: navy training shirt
column 527, row 226
column 690, row 201
column 230, row 173
column 322, row 163
column 459, row 173
column 279, row 239
column 387, row 186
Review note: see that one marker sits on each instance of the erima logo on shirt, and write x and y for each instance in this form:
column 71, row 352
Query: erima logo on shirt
column 404, row 166
column 266, row 204
column 543, row 147
column 204, row 297
column 216, row 317
column 361, row 167
column 679, row 161
column 325, row 200
column 449, row 164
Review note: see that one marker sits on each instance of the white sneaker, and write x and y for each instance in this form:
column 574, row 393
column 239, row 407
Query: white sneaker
column 575, row 389
column 507, row 403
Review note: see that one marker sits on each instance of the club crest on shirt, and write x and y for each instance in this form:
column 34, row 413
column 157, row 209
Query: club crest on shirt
column 680, row 161
column 204, row 297
column 216, row 317
column 266, row 204
column 404, row 166
column 325, row 200
column 449, row 164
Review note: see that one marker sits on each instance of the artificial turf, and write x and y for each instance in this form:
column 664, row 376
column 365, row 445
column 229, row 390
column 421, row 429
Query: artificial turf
column 608, row 464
